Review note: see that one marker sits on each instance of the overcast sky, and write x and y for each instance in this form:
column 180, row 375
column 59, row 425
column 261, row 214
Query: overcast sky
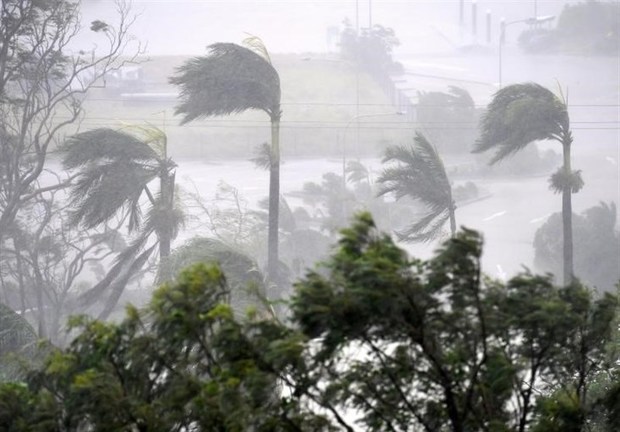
column 187, row 27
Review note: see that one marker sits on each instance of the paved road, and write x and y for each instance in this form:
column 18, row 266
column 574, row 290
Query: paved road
column 508, row 219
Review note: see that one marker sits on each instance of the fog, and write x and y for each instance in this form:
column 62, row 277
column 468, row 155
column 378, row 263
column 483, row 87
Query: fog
column 436, row 52
column 287, row 26
column 334, row 113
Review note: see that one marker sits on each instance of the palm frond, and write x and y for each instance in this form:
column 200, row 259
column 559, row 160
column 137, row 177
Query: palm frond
column 256, row 44
column 229, row 79
column 152, row 136
column 101, row 191
column 461, row 97
column 426, row 229
column 419, row 173
column 104, row 144
column 561, row 181
column 356, row 171
column 518, row 115
column 262, row 158
column 114, row 169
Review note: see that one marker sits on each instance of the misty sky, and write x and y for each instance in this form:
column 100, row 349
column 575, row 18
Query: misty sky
column 187, row 27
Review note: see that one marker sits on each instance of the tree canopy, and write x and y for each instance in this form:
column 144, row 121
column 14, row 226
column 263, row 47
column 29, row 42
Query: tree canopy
column 375, row 340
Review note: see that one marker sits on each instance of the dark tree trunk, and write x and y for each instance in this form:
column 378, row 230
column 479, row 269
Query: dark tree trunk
column 274, row 200
column 567, row 215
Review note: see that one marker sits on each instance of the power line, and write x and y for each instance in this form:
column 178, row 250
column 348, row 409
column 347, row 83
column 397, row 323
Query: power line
column 342, row 123
column 326, row 125
column 351, row 104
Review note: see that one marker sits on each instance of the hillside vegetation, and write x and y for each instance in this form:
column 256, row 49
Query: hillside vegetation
column 319, row 99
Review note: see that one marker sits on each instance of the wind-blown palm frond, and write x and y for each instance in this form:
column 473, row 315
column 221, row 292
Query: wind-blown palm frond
column 262, row 156
column 356, row 172
column 101, row 191
column 256, row 44
column 104, row 144
column 419, row 173
column 428, row 228
column 461, row 98
column 151, row 135
column 518, row 115
column 230, row 79
column 115, row 168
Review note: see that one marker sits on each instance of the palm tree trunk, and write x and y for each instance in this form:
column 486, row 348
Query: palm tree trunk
column 274, row 200
column 567, row 214
column 452, row 211
column 167, row 200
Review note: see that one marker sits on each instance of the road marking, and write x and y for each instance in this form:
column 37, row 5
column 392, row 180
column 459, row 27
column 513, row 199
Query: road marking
column 495, row 215
column 437, row 66
column 540, row 219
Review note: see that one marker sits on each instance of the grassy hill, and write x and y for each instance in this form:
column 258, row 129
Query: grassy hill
column 320, row 98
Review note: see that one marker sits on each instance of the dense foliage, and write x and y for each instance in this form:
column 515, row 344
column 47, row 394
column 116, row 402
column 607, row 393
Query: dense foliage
column 370, row 48
column 597, row 246
column 376, row 340
column 587, row 28
column 448, row 119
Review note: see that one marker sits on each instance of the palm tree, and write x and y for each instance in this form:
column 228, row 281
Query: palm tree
column 420, row 175
column 115, row 169
column 232, row 79
column 520, row 114
column 243, row 279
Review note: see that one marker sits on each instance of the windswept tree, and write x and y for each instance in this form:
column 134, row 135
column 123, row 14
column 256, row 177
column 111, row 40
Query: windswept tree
column 232, row 79
column 520, row 114
column 115, row 171
column 43, row 80
column 448, row 119
column 244, row 279
column 597, row 242
column 419, row 173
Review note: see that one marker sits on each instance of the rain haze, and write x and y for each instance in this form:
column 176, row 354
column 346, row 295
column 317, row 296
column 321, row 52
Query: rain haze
column 351, row 168
column 438, row 48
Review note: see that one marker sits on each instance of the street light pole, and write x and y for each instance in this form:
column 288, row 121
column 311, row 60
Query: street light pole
column 502, row 36
column 502, row 39
column 361, row 116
